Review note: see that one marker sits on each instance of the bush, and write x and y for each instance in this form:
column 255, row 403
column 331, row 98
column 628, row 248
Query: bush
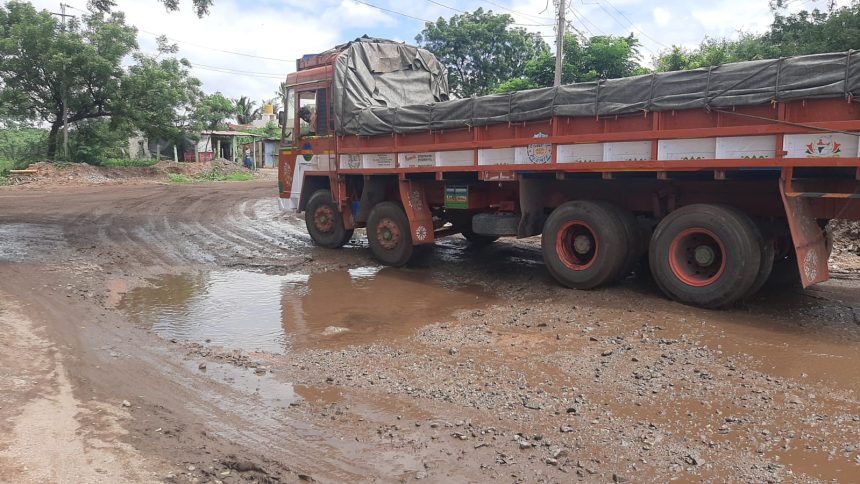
column 120, row 162
column 21, row 146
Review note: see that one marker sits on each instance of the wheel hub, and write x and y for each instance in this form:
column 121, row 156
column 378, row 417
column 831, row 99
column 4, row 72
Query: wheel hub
column 388, row 234
column 697, row 257
column 324, row 219
column 704, row 255
column 582, row 244
column 576, row 245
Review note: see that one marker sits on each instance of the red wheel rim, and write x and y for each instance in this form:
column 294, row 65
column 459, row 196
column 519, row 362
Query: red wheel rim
column 697, row 257
column 388, row 234
column 576, row 245
column 324, row 219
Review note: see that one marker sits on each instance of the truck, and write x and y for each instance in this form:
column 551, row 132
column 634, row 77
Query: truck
column 712, row 179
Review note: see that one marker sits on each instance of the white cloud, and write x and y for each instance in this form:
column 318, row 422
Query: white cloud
column 662, row 16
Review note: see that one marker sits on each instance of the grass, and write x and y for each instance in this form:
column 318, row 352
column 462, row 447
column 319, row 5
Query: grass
column 211, row 175
column 122, row 163
column 5, row 166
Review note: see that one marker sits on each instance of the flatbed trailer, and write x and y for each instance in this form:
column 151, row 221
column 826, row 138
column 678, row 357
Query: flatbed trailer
column 712, row 200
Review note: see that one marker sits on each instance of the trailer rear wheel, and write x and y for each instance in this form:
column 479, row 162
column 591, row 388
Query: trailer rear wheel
column 636, row 247
column 768, row 254
column 325, row 222
column 584, row 244
column 706, row 255
column 389, row 235
column 478, row 240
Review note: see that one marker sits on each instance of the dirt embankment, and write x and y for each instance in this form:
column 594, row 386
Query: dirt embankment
column 80, row 174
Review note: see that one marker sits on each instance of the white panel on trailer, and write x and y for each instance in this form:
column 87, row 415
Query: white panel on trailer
column 496, row 156
column 820, row 145
column 455, row 158
column 377, row 160
column 746, row 147
column 350, row 162
column 416, row 160
column 627, row 151
column 584, row 153
column 687, row 149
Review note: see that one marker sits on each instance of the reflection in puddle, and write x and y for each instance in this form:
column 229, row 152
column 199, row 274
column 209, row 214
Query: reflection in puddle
column 261, row 312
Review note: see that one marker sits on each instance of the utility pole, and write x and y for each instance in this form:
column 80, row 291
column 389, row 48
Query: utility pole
column 63, row 97
column 559, row 42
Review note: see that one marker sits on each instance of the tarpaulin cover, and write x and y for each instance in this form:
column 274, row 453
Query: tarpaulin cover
column 383, row 86
column 395, row 88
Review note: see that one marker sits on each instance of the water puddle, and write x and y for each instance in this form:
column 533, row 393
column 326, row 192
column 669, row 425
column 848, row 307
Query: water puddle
column 272, row 313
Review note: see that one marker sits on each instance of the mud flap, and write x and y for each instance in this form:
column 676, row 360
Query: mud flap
column 531, row 205
column 417, row 211
column 809, row 243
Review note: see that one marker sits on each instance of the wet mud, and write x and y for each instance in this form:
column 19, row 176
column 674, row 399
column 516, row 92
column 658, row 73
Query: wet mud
column 246, row 354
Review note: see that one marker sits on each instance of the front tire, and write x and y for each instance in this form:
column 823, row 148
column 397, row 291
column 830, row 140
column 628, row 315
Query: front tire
column 706, row 255
column 325, row 222
column 389, row 235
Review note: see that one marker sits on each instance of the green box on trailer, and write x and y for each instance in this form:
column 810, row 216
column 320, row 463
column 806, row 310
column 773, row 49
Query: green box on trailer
column 457, row 197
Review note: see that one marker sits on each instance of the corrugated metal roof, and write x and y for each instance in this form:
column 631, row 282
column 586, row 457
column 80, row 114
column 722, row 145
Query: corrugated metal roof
column 230, row 133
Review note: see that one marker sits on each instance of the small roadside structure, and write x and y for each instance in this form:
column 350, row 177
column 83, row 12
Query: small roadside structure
column 223, row 144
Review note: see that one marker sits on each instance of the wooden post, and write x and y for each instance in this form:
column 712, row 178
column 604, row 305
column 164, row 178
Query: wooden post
column 196, row 153
column 218, row 151
column 157, row 151
column 175, row 154
column 254, row 151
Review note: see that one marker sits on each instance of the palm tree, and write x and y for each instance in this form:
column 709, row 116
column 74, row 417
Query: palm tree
column 245, row 110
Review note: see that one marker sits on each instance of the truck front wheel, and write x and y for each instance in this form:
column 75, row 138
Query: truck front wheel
column 325, row 222
column 706, row 255
column 584, row 244
column 389, row 235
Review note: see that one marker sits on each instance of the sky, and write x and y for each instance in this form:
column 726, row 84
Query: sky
column 248, row 47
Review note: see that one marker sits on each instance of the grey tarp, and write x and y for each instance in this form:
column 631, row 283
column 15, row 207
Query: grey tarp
column 373, row 78
column 829, row 75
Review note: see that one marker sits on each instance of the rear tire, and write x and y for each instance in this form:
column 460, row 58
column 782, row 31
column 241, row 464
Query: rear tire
column 584, row 244
column 635, row 245
column 768, row 253
column 325, row 222
column 706, row 255
column 389, row 235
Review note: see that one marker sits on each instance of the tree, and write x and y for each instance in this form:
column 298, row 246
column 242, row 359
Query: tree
column 40, row 62
column 44, row 65
column 158, row 95
column 598, row 57
column 201, row 7
column 480, row 49
column 245, row 111
column 212, row 110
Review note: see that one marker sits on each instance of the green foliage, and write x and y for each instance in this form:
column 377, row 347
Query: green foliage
column 95, row 140
column 832, row 30
column 244, row 110
column 215, row 174
column 128, row 163
column 21, row 146
column 159, row 94
column 516, row 84
column 42, row 63
column 212, row 111
column 6, row 165
column 201, row 7
column 480, row 49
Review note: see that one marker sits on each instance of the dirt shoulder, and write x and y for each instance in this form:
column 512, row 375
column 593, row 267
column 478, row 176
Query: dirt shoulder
column 502, row 375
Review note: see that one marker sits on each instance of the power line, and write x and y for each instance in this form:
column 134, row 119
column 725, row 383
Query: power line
column 392, row 11
column 434, row 2
column 516, row 12
column 630, row 22
column 243, row 54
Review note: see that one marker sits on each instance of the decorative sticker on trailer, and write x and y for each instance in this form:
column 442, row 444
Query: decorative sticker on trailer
column 417, row 160
column 350, row 162
column 818, row 145
column 457, row 197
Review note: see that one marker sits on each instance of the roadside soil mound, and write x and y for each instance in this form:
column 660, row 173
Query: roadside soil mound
column 47, row 173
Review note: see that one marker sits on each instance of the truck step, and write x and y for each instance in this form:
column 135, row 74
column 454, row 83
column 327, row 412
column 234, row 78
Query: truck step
column 502, row 224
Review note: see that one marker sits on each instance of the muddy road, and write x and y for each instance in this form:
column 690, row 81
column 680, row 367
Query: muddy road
column 192, row 333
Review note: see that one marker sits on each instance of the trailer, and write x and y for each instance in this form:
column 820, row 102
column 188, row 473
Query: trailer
column 713, row 179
